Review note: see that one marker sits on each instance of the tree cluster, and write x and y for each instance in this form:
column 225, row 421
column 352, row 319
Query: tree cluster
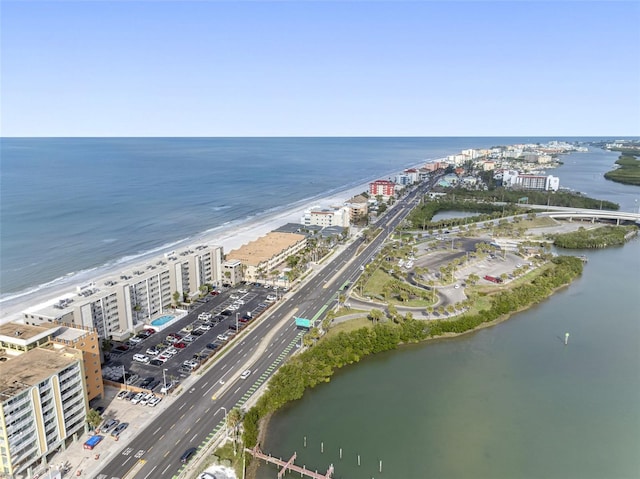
column 593, row 238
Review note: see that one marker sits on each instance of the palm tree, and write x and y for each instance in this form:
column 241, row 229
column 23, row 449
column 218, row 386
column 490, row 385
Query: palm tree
column 375, row 315
column 234, row 419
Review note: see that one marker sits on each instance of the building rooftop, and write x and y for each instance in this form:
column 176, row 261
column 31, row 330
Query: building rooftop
column 19, row 333
column 265, row 247
column 29, row 369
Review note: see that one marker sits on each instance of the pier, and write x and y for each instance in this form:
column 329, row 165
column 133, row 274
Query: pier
column 289, row 465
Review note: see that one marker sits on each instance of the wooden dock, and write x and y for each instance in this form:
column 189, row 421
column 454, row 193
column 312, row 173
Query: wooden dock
column 289, row 465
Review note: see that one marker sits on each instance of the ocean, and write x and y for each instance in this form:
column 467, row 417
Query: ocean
column 72, row 207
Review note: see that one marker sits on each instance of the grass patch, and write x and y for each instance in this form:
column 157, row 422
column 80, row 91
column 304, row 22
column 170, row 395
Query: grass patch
column 346, row 311
column 539, row 222
column 225, row 453
column 349, row 326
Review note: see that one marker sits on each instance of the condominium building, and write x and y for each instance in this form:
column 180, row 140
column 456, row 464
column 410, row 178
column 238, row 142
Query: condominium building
column 19, row 338
column 326, row 217
column 42, row 406
column 384, row 188
column 358, row 208
column 121, row 304
column 513, row 179
column 262, row 256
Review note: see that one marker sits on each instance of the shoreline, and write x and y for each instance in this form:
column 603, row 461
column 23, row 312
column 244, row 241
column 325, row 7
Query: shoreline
column 230, row 237
column 263, row 424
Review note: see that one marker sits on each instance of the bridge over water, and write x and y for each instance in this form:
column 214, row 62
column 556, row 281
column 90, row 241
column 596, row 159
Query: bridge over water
column 584, row 213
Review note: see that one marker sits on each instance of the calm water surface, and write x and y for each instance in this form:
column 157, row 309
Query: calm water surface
column 511, row 401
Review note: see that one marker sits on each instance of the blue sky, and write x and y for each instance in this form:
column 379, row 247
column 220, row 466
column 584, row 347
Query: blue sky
column 209, row 68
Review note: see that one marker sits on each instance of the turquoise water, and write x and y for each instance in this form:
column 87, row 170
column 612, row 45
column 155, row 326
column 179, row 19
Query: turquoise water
column 162, row 320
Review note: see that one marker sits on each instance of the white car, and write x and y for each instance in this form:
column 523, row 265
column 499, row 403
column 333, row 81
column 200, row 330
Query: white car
column 204, row 316
column 137, row 398
column 141, row 358
column 222, row 337
column 204, row 327
column 152, row 352
column 234, row 296
column 242, row 291
column 457, row 286
column 245, row 374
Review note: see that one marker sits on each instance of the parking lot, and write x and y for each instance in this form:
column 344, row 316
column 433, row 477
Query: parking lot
column 152, row 362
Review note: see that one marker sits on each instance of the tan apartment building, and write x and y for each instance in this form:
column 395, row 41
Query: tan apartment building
column 43, row 406
column 17, row 339
column 262, row 256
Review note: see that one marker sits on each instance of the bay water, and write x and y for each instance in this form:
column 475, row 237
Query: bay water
column 510, row 401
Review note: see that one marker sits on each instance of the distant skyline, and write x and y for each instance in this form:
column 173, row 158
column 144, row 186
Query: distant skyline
column 213, row 68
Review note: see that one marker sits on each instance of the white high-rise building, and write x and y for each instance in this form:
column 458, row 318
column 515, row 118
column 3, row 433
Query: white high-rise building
column 116, row 306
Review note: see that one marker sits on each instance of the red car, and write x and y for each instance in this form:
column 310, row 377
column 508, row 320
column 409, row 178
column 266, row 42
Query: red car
column 179, row 345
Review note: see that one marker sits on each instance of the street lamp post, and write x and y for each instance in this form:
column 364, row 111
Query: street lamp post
column 164, row 379
column 225, row 421
column 237, row 314
column 124, row 377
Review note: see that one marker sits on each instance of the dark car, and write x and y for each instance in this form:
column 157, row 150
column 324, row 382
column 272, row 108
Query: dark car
column 188, row 454
column 197, row 332
column 226, row 312
column 153, row 385
column 233, row 327
column 156, row 362
column 212, row 346
column 147, row 381
column 217, row 318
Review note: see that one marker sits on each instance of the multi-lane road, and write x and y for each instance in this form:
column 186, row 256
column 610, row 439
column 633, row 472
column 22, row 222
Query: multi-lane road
column 197, row 413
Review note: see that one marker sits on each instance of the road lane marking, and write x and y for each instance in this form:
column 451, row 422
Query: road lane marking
column 194, row 436
column 157, row 430
column 271, row 354
column 167, row 453
column 165, row 469
column 126, row 460
column 154, row 468
column 183, row 405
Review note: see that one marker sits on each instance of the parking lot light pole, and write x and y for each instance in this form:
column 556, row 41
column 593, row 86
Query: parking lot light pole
column 164, row 378
column 237, row 315
column 124, row 378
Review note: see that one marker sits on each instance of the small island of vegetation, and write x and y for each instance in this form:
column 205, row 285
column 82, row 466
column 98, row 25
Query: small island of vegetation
column 628, row 171
column 594, row 238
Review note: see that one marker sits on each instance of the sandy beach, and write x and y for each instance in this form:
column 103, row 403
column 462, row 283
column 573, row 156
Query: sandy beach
column 229, row 238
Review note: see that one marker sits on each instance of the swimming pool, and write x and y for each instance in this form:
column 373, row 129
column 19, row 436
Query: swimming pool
column 162, row 320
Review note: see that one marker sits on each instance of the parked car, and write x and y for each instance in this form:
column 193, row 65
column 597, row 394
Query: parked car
column 205, row 327
column 146, row 381
column 179, row 345
column 222, row 337
column 141, row 358
column 119, row 429
column 137, row 398
column 156, row 362
column 107, row 426
column 122, row 394
column 212, row 346
column 197, row 332
column 168, row 387
column 153, row 385
column 152, row 351
column 153, row 402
